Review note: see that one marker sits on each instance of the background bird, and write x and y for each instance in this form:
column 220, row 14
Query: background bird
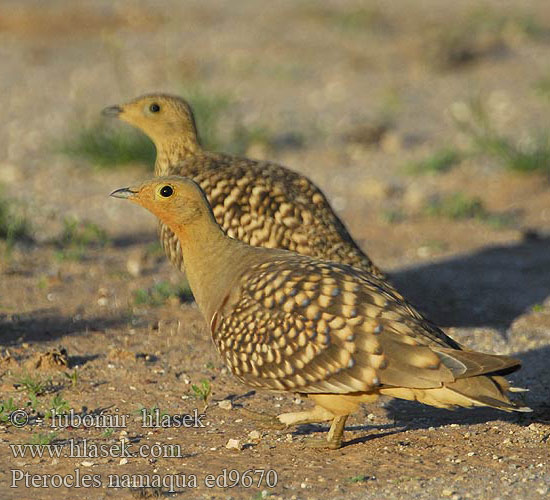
column 335, row 333
column 260, row 203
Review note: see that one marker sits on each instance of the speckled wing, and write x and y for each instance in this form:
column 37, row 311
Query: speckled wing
column 266, row 205
column 318, row 327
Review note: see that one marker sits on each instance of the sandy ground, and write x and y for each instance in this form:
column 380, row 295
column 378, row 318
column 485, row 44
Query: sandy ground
column 326, row 72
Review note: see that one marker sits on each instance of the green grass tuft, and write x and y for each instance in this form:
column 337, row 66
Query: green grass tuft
column 361, row 478
column 34, row 386
column 456, row 206
column 440, row 161
column 7, row 407
column 202, row 391
column 72, row 377
column 109, row 145
column 107, row 433
column 161, row 292
column 58, row 404
column 77, row 236
column 13, row 224
column 82, row 233
column 531, row 156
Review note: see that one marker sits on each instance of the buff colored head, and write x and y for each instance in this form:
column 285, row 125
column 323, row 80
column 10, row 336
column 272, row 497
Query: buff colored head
column 164, row 118
column 177, row 201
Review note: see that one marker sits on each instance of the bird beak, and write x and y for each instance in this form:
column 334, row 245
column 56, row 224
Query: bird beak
column 125, row 193
column 112, row 111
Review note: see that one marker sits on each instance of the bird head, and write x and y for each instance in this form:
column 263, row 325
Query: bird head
column 176, row 201
column 162, row 117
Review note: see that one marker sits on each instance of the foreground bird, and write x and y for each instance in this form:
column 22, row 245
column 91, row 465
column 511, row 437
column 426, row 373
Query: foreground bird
column 260, row 203
column 289, row 322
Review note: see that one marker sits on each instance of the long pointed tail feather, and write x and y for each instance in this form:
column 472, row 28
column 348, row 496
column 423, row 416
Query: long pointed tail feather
column 466, row 392
column 486, row 391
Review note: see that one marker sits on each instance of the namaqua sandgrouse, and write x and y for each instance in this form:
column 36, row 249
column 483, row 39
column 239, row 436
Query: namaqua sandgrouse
column 260, row 203
column 335, row 333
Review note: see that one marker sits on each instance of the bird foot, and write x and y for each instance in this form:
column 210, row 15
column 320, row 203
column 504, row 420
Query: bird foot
column 320, row 443
column 334, row 437
column 266, row 420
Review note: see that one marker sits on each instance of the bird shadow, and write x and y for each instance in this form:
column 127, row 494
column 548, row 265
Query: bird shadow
column 490, row 287
column 535, row 376
column 307, row 429
column 368, row 437
column 43, row 325
column 81, row 360
column 411, row 415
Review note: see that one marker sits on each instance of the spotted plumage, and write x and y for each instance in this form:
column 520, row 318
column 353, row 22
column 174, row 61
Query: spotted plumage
column 289, row 322
column 260, row 203
column 319, row 327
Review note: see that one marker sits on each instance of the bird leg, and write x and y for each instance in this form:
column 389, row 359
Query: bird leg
column 336, row 432
column 334, row 436
column 313, row 416
column 317, row 414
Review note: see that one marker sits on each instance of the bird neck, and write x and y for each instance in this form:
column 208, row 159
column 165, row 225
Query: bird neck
column 210, row 262
column 174, row 150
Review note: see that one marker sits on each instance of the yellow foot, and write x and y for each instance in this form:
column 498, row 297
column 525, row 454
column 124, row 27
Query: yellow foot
column 334, row 436
column 322, row 444
column 264, row 419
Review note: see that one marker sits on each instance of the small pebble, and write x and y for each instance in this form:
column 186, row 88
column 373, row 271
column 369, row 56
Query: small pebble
column 254, row 435
column 233, row 444
column 226, row 404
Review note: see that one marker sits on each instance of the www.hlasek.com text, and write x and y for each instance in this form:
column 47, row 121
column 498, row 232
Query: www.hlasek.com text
column 76, row 448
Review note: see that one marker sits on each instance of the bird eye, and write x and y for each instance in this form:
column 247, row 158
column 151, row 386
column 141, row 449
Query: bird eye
column 154, row 108
column 166, row 191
